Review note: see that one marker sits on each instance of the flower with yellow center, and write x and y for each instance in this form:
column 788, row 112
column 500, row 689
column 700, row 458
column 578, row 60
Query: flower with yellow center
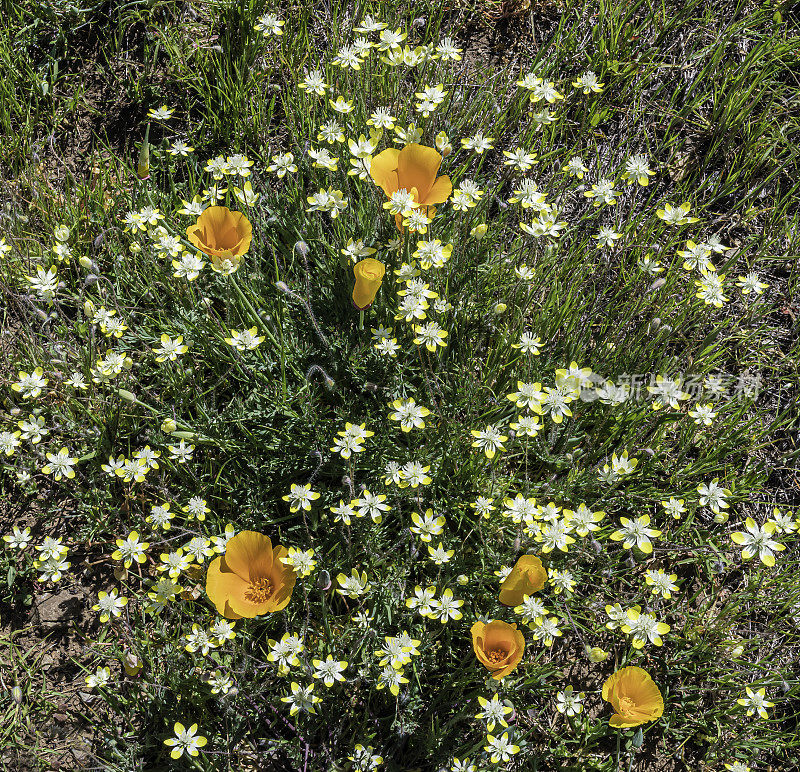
column 499, row 646
column 413, row 169
column 251, row 578
column 634, row 697
column 527, row 577
column 222, row 234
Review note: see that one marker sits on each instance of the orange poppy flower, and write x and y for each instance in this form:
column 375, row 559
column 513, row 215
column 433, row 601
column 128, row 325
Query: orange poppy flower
column 221, row 233
column 634, row 697
column 498, row 645
column 527, row 577
column 369, row 275
column 250, row 579
column 414, row 169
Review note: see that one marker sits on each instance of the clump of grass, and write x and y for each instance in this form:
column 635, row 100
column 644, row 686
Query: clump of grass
column 575, row 357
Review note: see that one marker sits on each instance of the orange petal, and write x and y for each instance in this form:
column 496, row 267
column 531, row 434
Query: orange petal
column 478, row 630
column 245, row 231
column 527, row 577
column 214, row 220
column 417, row 166
column 610, row 684
column 515, row 656
column 383, row 170
column 623, row 722
column 498, row 634
column 439, row 192
column 514, row 587
column 283, row 579
column 221, row 584
column 249, row 554
column 194, row 234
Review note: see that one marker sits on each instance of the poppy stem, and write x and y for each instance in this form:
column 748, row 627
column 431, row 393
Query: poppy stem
column 361, row 320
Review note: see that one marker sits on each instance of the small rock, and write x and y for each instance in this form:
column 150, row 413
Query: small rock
column 59, row 610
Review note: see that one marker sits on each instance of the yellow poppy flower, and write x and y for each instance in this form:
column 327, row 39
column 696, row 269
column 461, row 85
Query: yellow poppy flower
column 250, row 578
column 414, row 169
column 221, row 233
column 634, row 697
column 498, row 646
column 527, row 577
column 369, row 275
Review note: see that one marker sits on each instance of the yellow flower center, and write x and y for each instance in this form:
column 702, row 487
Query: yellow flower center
column 496, row 656
column 258, row 591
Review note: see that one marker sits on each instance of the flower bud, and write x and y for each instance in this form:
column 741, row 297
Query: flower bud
column 168, row 426
column 462, row 579
column 500, row 308
column 301, row 248
column 127, row 363
column 479, row 231
column 131, row 663
column 721, row 517
column 443, row 144
column 86, row 263
column 135, row 248
column 16, row 695
column 143, row 167
column 369, row 275
column 323, row 580
column 61, row 233
column 596, row 654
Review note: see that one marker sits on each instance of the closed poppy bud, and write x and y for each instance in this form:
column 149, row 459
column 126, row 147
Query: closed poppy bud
column 634, row 696
column 168, row 426
column 479, row 231
column 527, row 577
column 128, row 396
column 143, row 167
column 498, row 646
column 369, row 275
